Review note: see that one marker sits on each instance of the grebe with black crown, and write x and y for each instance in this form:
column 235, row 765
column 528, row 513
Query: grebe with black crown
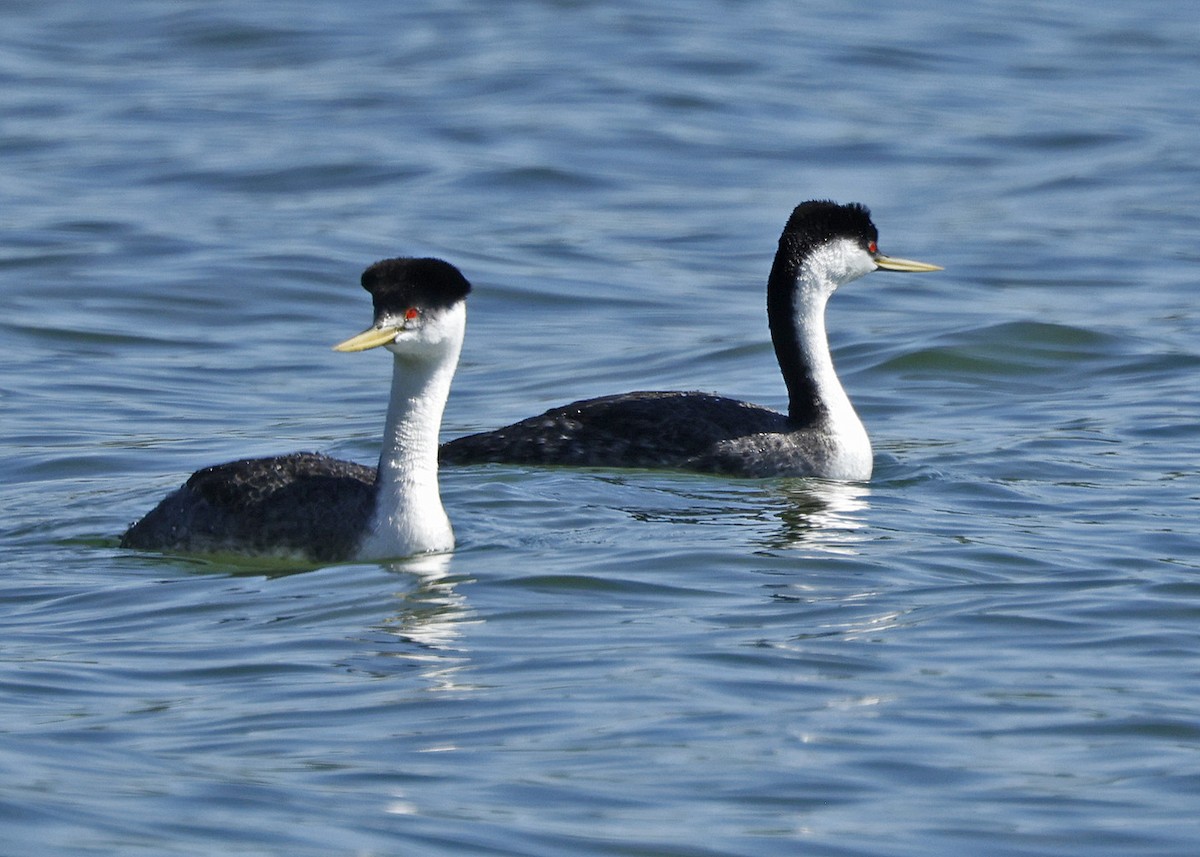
column 313, row 507
column 823, row 246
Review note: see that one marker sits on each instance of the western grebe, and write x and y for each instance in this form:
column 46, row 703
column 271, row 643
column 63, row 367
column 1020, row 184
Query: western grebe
column 824, row 245
column 319, row 508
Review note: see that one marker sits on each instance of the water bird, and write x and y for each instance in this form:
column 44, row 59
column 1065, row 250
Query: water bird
column 823, row 246
column 310, row 506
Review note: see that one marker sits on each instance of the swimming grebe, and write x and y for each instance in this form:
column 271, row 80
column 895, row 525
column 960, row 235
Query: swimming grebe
column 310, row 506
column 824, row 245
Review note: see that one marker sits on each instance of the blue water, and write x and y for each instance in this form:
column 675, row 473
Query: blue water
column 991, row 649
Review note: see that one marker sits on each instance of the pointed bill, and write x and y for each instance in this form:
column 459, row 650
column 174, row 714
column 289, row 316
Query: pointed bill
column 372, row 337
column 890, row 263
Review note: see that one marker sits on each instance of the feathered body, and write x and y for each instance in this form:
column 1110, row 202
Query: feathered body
column 823, row 245
column 310, row 506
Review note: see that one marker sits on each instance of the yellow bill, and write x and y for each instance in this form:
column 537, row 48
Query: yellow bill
column 372, row 337
column 890, row 263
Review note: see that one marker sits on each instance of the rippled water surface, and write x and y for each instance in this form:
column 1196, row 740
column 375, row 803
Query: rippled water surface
column 991, row 649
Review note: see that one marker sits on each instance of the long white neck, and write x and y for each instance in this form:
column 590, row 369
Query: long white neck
column 409, row 517
column 849, row 445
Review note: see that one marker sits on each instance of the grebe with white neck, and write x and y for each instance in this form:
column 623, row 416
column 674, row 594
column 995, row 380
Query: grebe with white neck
column 306, row 505
column 823, row 246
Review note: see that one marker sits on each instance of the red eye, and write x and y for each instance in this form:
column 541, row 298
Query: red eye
column 873, row 247
column 411, row 313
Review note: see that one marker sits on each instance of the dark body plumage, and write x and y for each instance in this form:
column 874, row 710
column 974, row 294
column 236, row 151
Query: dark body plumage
column 705, row 433
column 310, row 506
column 286, row 505
column 822, row 246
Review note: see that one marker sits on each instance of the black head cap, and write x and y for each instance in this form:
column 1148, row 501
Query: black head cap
column 397, row 284
column 814, row 222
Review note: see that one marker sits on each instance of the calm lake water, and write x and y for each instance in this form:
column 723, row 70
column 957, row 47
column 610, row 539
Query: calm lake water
column 991, row 649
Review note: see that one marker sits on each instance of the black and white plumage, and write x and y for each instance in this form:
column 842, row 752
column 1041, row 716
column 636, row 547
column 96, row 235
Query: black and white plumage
column 823, row 246
column 310, row 506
